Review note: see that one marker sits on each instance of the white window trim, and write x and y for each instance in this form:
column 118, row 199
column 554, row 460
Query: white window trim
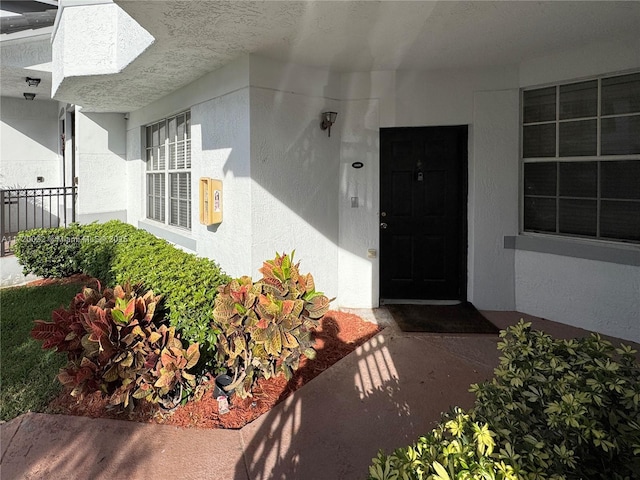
column 167, row 175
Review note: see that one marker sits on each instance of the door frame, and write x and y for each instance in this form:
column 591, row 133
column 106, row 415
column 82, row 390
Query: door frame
column 463, row 206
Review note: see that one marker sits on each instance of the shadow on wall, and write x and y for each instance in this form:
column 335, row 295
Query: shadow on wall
column 37, row 121
column 114, row 126
column 293, row 164
column 292, row 159
column 382, row 396
column 23, row 213
column 26, row 214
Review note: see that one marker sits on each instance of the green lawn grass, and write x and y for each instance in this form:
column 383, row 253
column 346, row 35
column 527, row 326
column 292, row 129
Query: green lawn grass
column 28, row 373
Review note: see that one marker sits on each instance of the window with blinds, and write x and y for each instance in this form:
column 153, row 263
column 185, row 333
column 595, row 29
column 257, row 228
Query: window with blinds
column 581, row 158
column 168, row 158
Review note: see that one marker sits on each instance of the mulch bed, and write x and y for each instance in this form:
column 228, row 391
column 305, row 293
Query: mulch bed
column 339, row 334
column 78, row 278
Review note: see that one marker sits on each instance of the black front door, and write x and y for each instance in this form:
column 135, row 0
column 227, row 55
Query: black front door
column 423, row 194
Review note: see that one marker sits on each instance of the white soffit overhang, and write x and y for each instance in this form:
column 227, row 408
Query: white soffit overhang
column 92, row 39
column 23, row 56
column 198, row 36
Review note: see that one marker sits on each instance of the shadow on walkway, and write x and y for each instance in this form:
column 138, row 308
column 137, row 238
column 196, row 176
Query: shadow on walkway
column 385, row 395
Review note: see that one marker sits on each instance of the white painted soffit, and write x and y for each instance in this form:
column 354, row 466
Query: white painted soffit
column 94, row 41
column 23, row 56
column 197, row 36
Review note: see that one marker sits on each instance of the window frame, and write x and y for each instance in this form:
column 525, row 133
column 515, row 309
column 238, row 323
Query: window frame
column 167, row 146
column 598, row 158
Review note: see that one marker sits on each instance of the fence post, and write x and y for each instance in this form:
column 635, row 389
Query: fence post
column 2, row 228
column 74, row 193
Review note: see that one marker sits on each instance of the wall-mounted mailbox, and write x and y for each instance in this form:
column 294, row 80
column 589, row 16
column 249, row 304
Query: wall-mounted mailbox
column 210, row 201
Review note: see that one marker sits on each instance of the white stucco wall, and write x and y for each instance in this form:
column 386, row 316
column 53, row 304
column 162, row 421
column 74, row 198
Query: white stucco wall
column 295, row 180
column 299, row 79
column 595, row 295
column 486, row 96
column 446, row 97
column 358, row 278
column 219, row 105
column 588, row 60
column 599, row 296
column 134, row 167
column 493, row 199
column 221, row 150
column 29, row 143
column 287, row 185
column 253, row 138
column 101, row 166
column 227, row 79
column 95, row 40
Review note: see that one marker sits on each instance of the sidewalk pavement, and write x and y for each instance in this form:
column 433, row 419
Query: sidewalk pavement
column 384, row 395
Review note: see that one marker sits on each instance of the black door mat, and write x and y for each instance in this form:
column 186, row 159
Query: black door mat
column 462, row 318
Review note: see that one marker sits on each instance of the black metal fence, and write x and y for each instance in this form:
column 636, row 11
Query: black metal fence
column 29, row 208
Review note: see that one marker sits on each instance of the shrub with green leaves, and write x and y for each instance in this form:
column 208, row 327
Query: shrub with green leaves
column 556, row 409
column 458, row 448
column 49, row 252
column 116, row 253
column 566, row 407
column 117, row 344
column 265, row 327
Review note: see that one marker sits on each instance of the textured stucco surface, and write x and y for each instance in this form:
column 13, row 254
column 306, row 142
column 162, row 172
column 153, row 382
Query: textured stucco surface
column 357, row 273
column 348, row 36
column 294, row 193
column 227, row 79
column 599, row 296
column 26, row 57
column 446, row 97
column 493, row 176
column 595, row 58
column 102, row 172
column 134, row 167
column 221, row 150
column 29, row 146
column 287, row 185
column 591, row 294
column 93, row 40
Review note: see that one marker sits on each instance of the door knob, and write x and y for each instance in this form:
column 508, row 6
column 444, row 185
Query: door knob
column 383, row 225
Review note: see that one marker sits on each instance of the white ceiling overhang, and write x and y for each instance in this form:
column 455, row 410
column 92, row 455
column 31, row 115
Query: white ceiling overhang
column 194, row 37
column 23, row 57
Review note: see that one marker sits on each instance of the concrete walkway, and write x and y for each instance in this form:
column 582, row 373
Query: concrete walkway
column 384, row 395
column 11, row 272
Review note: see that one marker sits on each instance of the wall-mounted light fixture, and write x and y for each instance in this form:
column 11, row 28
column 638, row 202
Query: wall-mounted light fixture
column 33, row 82
column 328, row 119
column 29, row 96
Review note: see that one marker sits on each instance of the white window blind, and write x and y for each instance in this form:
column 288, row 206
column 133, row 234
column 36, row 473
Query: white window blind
column 168, row 158
column 581, row 158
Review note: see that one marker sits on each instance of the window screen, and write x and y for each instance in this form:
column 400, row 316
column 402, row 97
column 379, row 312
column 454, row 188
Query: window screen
column 581, row 158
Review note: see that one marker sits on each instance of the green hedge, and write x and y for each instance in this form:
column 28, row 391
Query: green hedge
column 556, row 409
column 51, row 252
column 116, row 253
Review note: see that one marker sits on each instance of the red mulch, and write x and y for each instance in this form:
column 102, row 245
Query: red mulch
column 338, row 335
column 76, row 278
